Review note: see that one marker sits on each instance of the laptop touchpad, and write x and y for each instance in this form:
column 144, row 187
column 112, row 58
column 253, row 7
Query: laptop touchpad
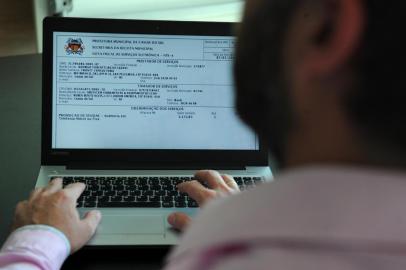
column 131, row 224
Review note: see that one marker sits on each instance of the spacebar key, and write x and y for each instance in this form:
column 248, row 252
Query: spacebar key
column 130, row 204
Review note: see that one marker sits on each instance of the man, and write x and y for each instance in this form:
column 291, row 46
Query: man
column 323, row 80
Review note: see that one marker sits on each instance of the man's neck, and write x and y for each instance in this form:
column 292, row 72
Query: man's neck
column 331, row 143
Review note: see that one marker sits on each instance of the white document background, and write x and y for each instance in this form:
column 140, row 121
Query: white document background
column 146, row 92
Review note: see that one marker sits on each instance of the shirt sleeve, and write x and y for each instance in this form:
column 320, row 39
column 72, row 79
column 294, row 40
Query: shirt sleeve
column 34, row 247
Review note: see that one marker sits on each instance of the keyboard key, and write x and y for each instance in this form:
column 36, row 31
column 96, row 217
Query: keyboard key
column 90, row 204
column 105, row 182
column 129, row 199
column 118, row 187
column 122, row 193
column 258, row 180
column 97, row 193
column 116, row 198
column 130, row 204
column 248, row 182
column 110, row 193
column 130, row 187
column 142, row 198
column 135, row 193
column 143, row 187
column 180, row 204
column 142, row 181
column 177, row 182
column 160, row 193
column 90, row 198
column 192, row 204
column 129, row 182
column 92, row 187
column 172, row 193
column 239, row 182
column 168, row 187
column 155, row 187
column 118, row 182
column 103, row 199
column 165, row 182
column 154, row 198
column 89, row 182
column 167, row 204
column 148, row 193
column 167, row 199
column 180, row 199
column 106, row 187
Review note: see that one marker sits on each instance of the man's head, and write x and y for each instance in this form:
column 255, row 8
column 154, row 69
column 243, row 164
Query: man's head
column 321, row 80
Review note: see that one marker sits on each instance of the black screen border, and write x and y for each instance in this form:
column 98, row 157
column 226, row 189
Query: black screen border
column 133, row 158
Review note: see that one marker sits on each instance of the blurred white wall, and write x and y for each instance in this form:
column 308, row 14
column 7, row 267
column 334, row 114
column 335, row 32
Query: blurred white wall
column 186, row 10
column 194, row 10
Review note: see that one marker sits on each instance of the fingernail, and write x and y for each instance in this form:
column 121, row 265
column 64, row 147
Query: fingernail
column 172, row 218
column 98, row 215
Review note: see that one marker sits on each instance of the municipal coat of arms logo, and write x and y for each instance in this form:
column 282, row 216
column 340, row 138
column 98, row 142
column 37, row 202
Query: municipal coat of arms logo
column 74, row 46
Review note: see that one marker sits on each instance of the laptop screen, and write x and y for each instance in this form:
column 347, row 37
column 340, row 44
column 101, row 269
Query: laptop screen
column 133, row 91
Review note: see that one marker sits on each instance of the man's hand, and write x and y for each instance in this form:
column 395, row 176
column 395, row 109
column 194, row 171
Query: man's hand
column 218, row 185
column 56, row 207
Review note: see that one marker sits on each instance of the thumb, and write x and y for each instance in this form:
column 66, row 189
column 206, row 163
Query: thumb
column 87, row 227
column 179, row 220
column 91, row 220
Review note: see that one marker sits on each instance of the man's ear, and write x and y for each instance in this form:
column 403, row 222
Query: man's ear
column 337, row 33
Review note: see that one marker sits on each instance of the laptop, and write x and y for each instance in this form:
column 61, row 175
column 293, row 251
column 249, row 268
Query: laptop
column 132, row 108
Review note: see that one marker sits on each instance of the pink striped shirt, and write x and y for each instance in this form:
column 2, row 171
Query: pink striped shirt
column 310, row 218
column 34, row 247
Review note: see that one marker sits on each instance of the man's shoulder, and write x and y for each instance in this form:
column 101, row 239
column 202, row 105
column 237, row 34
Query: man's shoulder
column 323, row 203
column 227, row 219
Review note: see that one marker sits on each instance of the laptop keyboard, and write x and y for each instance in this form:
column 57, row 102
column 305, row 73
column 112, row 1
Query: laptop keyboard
column 139, row 192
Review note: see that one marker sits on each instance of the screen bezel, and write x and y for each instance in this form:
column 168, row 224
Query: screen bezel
column 137, row 157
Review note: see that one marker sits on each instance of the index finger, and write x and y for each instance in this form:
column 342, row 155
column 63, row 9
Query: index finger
column 54, row 185
column 212, row 178
column 74, row 190
column 229, row 180
column 197, row 191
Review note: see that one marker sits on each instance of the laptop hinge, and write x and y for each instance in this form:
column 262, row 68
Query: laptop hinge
column 87, row 166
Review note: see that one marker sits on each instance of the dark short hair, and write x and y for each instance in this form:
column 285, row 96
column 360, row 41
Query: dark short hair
column 376, row 104
column 261, row 101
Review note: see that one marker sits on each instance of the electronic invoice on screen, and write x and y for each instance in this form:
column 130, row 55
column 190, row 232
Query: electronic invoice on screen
column 132, row 91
